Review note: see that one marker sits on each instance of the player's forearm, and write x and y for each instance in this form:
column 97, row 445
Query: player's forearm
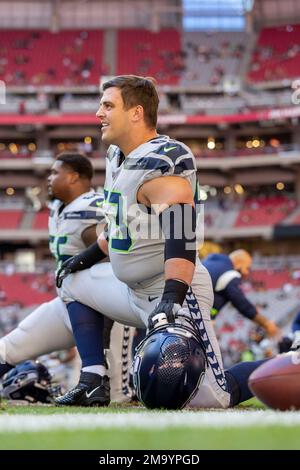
column 269, row 325
column 261, row 320
column 181, row 269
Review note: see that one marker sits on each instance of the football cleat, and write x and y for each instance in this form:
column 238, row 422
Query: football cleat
column 4, row 368
column 92, row 390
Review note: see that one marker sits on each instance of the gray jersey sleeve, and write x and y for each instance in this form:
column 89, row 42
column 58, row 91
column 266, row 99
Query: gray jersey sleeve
column 170, row 158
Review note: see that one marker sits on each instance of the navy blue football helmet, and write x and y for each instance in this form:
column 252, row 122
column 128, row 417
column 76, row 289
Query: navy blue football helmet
column 29, row 381
column 169, row 366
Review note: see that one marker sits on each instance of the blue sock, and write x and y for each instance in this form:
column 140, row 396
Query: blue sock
column 87, row 326
column 237, row 380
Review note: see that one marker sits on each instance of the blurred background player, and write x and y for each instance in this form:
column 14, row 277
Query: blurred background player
column 226, row 272
column 75, row 216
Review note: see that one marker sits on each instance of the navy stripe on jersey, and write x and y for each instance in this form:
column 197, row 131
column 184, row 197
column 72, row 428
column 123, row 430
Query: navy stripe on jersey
column 183, row 165
column 153, row 163
column 83, row 215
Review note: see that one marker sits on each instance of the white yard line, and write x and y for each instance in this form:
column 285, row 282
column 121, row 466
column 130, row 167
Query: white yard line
column 147, row 420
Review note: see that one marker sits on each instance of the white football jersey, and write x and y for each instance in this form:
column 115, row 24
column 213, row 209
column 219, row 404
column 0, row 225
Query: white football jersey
column 136, row 244
column 66, row 224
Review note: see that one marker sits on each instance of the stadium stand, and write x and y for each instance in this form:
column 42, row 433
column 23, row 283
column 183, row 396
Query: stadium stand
column 40, row 221
column 264, row 211
column 211, row 57
column 151, row 54
column 76, row 57
column 277, row 54
column 10, row 219
column 27, row 289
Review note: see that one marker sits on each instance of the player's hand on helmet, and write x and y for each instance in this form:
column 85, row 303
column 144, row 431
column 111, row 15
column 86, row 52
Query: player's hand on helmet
column 164, row 312
column 171, row 302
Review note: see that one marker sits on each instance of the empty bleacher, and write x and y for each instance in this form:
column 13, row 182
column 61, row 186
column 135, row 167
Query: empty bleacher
column 146, row 53
column 264, row 211
column 277, row 54
column 210, row 57
column 26, row 289
column 76, row 57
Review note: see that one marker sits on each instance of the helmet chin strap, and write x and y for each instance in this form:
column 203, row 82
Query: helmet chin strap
column 160, row 319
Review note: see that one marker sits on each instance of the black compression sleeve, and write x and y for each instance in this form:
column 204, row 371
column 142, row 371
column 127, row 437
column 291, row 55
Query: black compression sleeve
column 86, row 258
column 178, row 223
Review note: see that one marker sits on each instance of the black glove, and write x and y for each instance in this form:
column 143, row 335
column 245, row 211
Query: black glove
column 164, row 312
column 84, row 260
column 171, row 302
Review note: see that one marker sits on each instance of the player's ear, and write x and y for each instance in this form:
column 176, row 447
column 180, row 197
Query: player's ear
column 138, row 113
column 74, row 177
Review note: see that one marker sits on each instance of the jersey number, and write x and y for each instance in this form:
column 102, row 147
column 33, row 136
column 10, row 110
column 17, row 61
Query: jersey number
column 123, row 241
column 55, row 243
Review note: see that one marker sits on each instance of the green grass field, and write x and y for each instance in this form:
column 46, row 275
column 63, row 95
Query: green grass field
column 47, row 427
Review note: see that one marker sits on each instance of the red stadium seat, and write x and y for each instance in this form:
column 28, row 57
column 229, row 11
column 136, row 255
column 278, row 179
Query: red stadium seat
column 41, row 220
column 10, row 219
column 76, row 57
